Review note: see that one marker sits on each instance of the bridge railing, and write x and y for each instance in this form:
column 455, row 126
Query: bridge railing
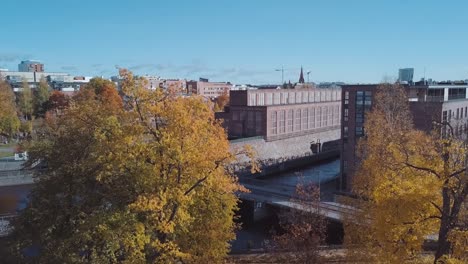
column 15, row 173
column 20, row 172
column 264, row 195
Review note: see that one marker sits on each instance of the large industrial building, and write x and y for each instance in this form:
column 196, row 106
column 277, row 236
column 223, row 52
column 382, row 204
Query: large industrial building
column 278, row 114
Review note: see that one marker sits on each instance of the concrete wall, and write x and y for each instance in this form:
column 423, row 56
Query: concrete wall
column 285, row 148
column 424, row 113
column 246, row 121
column 19, row 177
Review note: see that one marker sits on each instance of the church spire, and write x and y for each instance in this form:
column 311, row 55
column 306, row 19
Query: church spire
column 301, row 77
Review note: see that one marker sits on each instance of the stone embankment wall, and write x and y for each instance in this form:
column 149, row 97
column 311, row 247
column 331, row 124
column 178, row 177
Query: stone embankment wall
column 284, row 148
column 286, row 154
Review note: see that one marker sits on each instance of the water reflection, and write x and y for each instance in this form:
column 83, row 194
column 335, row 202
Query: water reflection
column 323, row 172
column 13, row 198
column 253, row 235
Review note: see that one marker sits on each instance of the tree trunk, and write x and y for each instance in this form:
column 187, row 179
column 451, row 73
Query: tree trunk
column 443, row 245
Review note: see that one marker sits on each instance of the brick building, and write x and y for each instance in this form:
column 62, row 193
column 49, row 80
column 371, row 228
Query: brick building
column 280, row 113
column 428, row 103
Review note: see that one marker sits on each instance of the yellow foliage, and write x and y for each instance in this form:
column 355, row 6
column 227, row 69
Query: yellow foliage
column 9, row 122
column 139, row 182
column 403, row 180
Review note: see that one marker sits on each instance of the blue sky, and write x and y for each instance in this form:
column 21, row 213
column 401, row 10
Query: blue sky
column 240, row 41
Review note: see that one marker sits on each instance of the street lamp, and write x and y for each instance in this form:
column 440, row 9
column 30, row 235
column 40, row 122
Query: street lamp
column 282, row 74
column 308, row 72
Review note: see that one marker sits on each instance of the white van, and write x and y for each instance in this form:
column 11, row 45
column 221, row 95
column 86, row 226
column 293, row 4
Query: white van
column 21, row 156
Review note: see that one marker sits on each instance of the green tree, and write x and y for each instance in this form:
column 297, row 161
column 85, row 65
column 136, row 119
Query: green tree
column 41, row 97
column 142, row 185
column 412, row 185
column 25, row 101
column 9, row 122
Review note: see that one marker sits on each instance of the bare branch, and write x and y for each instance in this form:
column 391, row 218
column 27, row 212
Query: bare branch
column 173, row 213
column 438, row 207
column 422, row 169
column 456, row 173
column 142, row 119
column 200, row 181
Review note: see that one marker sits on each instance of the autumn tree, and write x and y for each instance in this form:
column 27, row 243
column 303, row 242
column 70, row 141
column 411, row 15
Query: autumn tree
column 9, row 122
column 41, row 97
column 221, row 101
column 411, row 185
column 57, row 102
column 25, row 101
column 302, row 228
column 142, row 181
column 102, row 90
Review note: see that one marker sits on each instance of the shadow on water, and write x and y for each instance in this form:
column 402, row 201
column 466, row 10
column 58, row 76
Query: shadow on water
column 253, row 235
column 14, row 198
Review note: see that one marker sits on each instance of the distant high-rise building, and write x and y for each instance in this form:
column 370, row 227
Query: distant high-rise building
column 406, row 75
column 30, row 66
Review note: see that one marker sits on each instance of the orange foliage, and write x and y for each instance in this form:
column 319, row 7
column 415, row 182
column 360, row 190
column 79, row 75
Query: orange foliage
column 57, row 101
column 101, row 90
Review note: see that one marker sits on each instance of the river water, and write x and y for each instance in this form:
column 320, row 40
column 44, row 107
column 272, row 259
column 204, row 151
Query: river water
column 253, row 235
column 13, row 198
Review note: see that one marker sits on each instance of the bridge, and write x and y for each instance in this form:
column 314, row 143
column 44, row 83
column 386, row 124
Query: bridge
column 12, row 172
column 16, row 177
column 262, row 195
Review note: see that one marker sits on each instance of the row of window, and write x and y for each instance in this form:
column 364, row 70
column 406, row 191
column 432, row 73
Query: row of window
column 359, row 131
column 249, row 116
column 459, row 130
column 286, row 121
column 217, row 93
column 458, row 114
column 363, row 104
column 292, row 97
column 216, row 88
